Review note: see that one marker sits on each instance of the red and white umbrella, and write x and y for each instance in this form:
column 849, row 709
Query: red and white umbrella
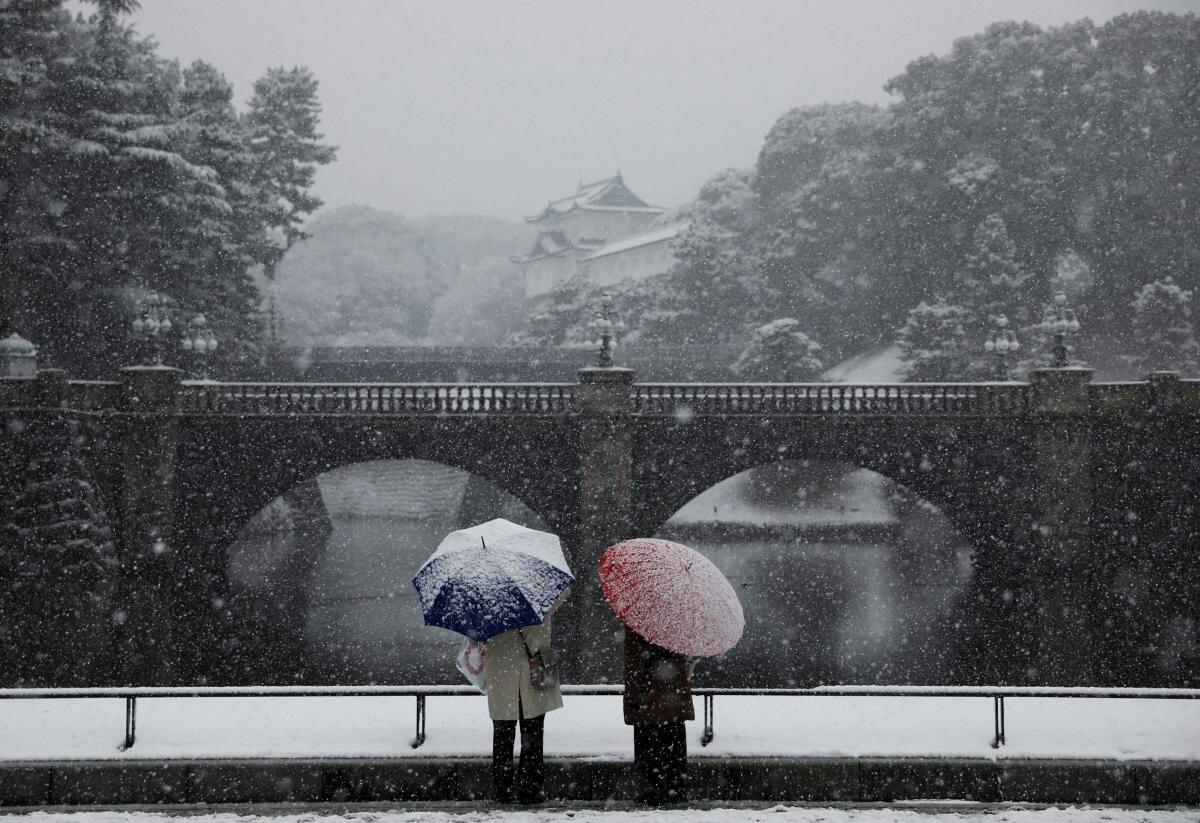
column 672, row 596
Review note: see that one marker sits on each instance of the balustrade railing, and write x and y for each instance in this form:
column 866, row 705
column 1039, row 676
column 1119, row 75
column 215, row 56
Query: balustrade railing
column 75, row 395
column 1118, row 398
column 93, row 395
column 375, row 398
column 649, row 399
column 832, row 398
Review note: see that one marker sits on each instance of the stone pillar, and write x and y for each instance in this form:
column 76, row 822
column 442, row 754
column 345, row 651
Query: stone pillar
column 18, row 357
column 1164, row 390
column 146, row 525
column 604, row 400
column 1063, row 575
column 50, row 390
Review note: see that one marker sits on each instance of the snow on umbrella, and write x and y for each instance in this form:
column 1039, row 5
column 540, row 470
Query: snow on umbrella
column 492, row 578
column 673, row 596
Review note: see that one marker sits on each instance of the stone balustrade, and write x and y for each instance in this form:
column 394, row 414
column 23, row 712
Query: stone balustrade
column 50, row 390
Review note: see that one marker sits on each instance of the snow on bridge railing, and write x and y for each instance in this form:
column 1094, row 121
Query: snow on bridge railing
column 833, row 398
column 93, row 395
column 1141, row 397
column 268, row 399
column 1116, row 398
column 73, row 395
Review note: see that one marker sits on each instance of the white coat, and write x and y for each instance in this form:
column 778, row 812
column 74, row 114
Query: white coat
column 506, row 671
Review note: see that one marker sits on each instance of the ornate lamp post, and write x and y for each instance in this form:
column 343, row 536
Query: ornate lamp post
column 607, row 326
column 152, row 323
column 1002, row 341
column 1060, row 320
column 199, row 342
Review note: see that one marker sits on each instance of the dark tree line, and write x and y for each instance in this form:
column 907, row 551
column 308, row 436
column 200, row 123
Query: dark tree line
column 1024, row 163
column 122, row 173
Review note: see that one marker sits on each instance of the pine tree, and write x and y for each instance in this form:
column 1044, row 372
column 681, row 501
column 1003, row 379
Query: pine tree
column 935, row 342
column 993, row 279
column 282, row 125
column 1163, row 327
column 717, row 270
column 130, row 202
column 562, row 318
column 780, row 352
column 33, row 49
column 223, row 253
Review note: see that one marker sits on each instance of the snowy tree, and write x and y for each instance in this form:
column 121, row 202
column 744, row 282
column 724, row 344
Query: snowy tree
column 120, row 174
column 1073, row 276
column 33, row 48
column 1163, row 327
column 716, row 269
column 125, row 200
column 780, row 352
column 935, row 344
column 56, row 558
column 228, row 243
column 563, row 317
column 993, row 278
column 365, row 276
column 282, row 121
column 817, row 217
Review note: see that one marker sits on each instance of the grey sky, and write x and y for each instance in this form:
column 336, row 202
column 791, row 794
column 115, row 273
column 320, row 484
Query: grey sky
column 496, row 107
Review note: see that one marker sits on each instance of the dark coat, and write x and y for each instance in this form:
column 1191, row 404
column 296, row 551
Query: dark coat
column 658, row 686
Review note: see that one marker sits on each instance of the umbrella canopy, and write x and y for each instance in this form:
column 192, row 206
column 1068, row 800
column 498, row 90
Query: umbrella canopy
column 673, row 596
column 492, row 578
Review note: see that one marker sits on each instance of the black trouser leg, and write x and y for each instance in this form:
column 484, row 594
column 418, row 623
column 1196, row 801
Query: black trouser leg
column 504, row 733
column 674, row 762
column 645, row 758
column 532, row 773
column 660, row 753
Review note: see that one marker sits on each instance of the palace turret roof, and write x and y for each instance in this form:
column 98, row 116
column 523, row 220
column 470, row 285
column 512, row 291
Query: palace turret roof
column 610, row 194
column 554, row 243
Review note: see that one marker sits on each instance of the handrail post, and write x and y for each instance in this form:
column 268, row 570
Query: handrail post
column 707, row 736
column 998, row 721
column 130, row 723
column 420, row 738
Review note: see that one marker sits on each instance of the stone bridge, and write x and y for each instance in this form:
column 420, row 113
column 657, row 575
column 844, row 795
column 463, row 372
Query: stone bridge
column 1077, row 497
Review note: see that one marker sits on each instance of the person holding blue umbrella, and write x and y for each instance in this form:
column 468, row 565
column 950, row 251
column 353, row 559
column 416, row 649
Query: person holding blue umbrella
column 500, row 582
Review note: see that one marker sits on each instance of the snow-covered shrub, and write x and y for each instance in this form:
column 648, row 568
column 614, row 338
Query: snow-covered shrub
column 1163, row 327
column 780, row 351
column 935, row 344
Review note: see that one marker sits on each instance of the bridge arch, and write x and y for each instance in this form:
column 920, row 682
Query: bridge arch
column 319, row 580
column 229, row 469
column 979, row 473
column 844, row 575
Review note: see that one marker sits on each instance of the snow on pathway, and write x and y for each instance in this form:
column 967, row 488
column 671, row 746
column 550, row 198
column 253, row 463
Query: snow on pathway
column 776, row 814
column 1122, row 729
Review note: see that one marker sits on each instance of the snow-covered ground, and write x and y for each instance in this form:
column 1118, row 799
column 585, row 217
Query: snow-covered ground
column 266, row 727
column 773, row 814
column 882, row 365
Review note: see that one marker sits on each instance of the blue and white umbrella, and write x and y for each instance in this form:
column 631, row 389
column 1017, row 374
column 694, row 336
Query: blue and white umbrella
column 492, row 578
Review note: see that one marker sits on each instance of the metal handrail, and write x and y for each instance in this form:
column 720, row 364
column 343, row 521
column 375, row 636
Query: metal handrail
column 998, row 694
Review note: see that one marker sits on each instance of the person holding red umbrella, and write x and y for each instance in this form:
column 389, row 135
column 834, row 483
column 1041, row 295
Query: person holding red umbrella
column 675, row 605
column 658, row 699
